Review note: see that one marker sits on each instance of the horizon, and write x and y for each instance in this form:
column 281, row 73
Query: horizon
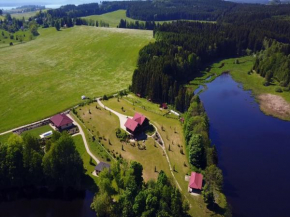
column 18, row 3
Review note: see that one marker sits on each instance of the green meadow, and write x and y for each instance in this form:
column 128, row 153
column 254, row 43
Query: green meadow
column 15, row 38
column 112, row 18
column 26, row 15
column 51, row 73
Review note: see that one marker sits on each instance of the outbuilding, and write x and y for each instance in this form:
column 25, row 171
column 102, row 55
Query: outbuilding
column 101, row 166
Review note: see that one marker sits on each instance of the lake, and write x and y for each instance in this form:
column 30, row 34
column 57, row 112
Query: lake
column 49, row 207
column 253, row 150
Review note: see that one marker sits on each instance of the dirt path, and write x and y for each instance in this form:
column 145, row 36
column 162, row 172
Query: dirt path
column 274, row 105
column 123, row 119
column 84, row 139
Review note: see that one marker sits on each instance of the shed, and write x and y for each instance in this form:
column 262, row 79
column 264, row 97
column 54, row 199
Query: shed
column 101, row 166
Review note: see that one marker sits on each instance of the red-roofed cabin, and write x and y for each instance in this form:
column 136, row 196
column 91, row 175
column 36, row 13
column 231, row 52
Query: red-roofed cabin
column 131, row 125
column 163, row 105
column 136, row 124
column 141, row 119
column 195, row 182
column 61, row 121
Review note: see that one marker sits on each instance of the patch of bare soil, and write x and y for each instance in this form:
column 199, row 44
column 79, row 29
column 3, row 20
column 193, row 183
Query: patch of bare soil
column 274, row 105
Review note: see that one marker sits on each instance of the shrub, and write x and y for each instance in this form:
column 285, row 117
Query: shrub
column 278, row 90
column 105, row 97
column 266, row 83
column 121, row 134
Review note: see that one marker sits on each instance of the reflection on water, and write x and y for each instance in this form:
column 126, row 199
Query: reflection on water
column 253, row 150
column 75, row 206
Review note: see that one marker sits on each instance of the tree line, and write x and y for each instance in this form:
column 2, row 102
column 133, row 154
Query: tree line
column 273, row 63
column 202, row 154
column 24, row 161
column 135, row 197
column 182, row 49
column 148, row 25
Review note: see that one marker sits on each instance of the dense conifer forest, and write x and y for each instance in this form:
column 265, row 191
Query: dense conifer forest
column 183, row 49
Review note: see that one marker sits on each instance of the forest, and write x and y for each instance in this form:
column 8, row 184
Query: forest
column 135, row 197
column 273, row 63
column 23, row 162
column 183, row 49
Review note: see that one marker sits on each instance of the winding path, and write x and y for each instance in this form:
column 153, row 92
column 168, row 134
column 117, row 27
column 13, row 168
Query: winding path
column 84, row 138
column 123, row 119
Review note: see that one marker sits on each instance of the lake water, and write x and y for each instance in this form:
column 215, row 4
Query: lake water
column 49, row 207
column 253, row 149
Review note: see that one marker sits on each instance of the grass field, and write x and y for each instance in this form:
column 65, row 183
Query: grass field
column 26, row 15
column 51, row 73
column 112, row 18
column 89, row 166
column 37, row 131
column 5, row 38
column 5, row 137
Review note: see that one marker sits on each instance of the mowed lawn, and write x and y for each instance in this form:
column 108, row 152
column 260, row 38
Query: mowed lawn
column 51, row 73
column 112, row 18
column 103, row 123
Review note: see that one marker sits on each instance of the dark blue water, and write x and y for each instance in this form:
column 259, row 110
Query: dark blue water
column 253, row 149
column 49, row 207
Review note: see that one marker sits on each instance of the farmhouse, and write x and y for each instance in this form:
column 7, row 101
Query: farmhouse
column 195, row 182
column 101, row 166
column 136, row 124
column 61, row 121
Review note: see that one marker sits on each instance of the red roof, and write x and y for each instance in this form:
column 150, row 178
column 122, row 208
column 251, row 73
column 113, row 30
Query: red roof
column 139, row 118
column 131, row 124
column 195, row 180
column 60, row 120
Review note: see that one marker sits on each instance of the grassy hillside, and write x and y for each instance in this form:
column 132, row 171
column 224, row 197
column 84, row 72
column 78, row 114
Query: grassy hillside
column 25, row 15
column 5, row 38
column 113, row 18
column 51, row 73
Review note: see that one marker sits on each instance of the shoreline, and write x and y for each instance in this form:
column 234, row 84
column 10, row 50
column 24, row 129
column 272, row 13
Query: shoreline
column 270, row 104
column 274, row 105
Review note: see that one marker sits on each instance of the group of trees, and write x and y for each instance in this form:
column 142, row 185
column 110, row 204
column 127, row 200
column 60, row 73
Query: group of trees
column 135, row 197
column 23, row 162
column 148, row 25
column 274, row 63
column 202, row 155
column 90, row 22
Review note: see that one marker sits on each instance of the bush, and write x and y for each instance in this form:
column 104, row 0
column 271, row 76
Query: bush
column 266, row 83
column 121, row 134
column 105, row 97
column 278, row 90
